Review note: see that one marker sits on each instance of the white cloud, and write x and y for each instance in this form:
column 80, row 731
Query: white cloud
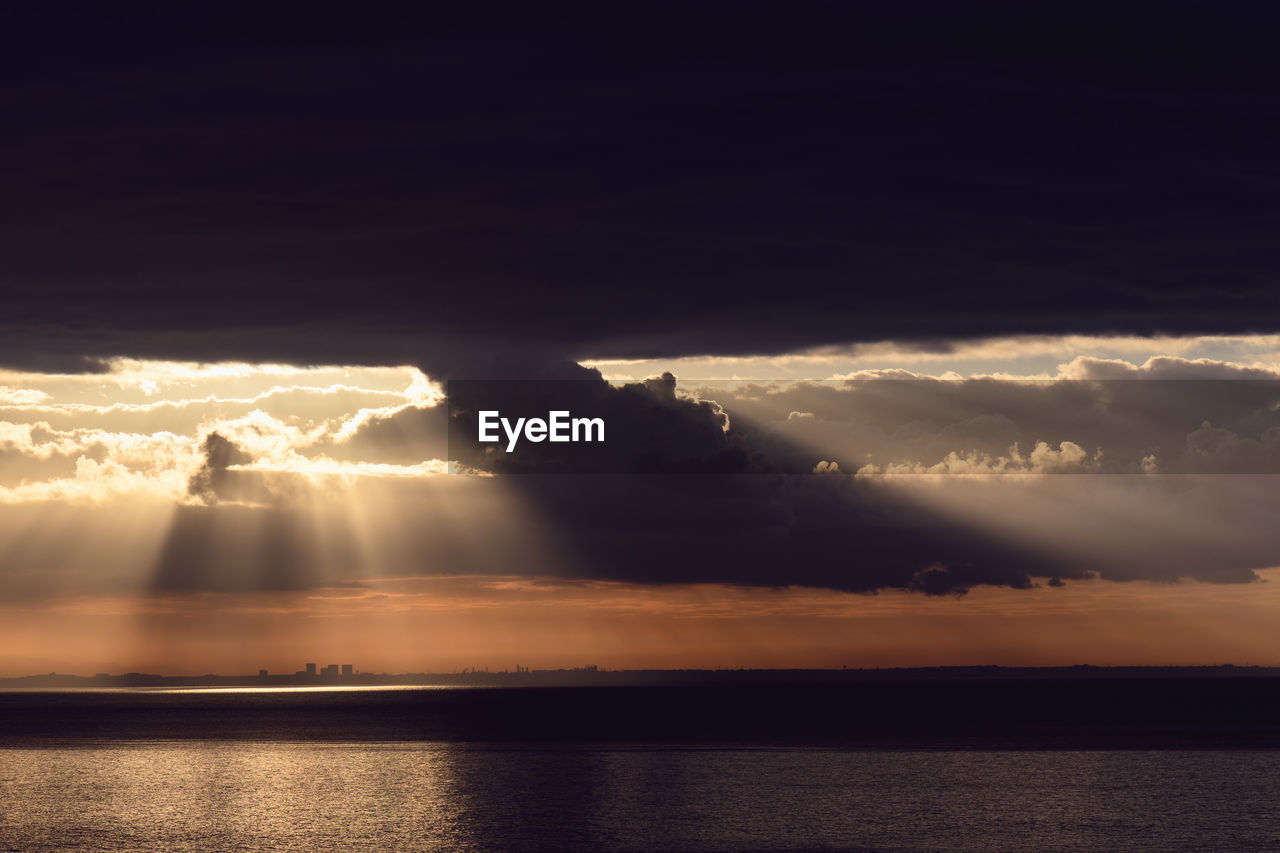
column 1068, row 458
column 98, row 437
column 1161, row 367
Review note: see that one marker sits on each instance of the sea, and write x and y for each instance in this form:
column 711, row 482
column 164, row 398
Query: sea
column 303, row 770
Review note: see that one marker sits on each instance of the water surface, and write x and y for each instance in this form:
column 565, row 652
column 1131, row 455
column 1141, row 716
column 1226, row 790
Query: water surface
column 219, row 795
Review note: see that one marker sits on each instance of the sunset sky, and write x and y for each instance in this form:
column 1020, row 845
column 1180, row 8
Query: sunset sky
column 180, row 517
column 918, row 349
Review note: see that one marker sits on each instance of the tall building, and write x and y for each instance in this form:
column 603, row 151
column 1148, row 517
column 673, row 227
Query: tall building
column 348, row 669
column 311, row 669
column 331, row 670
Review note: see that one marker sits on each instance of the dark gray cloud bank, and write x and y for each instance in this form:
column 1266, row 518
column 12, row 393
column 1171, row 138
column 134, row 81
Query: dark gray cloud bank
column 486, row 189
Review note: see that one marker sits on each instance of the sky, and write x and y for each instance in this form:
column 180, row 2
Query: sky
column 924, row 335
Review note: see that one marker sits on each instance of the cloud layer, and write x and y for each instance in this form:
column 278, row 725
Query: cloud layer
column 283, row 478
column 482, row 193
column 182, row 433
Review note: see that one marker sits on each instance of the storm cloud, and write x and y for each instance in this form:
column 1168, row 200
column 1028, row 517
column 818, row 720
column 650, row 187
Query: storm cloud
column 489, row 192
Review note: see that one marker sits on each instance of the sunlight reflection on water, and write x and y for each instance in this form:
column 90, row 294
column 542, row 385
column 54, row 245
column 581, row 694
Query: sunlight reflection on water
column 421, row 796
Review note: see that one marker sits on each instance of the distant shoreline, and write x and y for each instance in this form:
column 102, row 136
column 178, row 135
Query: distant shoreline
column 591, row 676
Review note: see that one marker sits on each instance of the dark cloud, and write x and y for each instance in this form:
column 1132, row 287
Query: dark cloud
column 1215, row 450
column 212, row 481
column 485, row 190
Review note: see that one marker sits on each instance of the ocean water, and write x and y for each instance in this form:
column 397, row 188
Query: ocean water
column 237, row 795
column 937, row 765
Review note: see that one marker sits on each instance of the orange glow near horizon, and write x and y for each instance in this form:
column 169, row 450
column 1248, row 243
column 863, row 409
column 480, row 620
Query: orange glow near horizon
column 450, row 623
